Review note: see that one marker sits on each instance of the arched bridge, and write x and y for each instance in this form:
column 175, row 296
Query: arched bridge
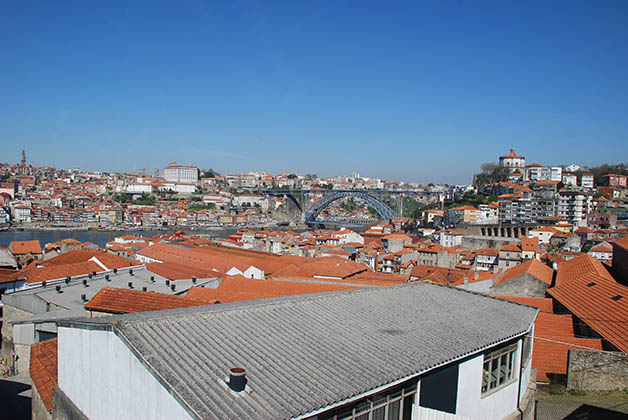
column 380, row 207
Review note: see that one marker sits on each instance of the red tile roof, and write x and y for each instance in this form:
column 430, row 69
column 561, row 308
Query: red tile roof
column 543, row 304
column 588, row 291
column 25, row 247
column 43, row 369
column 534, row 268
column 553, row 336
column 240, row 288
column 125, row 301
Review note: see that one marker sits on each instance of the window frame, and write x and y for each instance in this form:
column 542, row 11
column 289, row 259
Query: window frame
column 501, row 370
column 368, row 406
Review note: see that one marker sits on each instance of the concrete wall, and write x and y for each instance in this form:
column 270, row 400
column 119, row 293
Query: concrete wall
column 523, row 285
column 496, row 405
column 38, row 409
column 104, row 380
column 477, row 242
column 592, row 370
column 63, row 408
column 10, row 315
column 483, row 286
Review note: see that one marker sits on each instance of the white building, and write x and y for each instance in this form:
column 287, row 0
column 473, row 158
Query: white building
column 587, row 181
column 574, row 206
column 181, row 173
column 512, row 160
column 139, row 187
column 456, row 354
column 251, row 200
column 448, row 238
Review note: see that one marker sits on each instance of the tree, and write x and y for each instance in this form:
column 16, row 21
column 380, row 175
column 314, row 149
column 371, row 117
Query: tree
column 210, row 173
column 291, row 176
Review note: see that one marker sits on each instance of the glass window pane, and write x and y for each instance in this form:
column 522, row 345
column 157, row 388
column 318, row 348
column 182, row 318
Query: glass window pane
column 364, row 416
column 345, row 412
column 379, row 413
column 393, row 410
column 362, row 406
column 408, row 402
column 494, row 373
column 503, row 368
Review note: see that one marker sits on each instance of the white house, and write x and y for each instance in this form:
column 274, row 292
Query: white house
column 401, row 359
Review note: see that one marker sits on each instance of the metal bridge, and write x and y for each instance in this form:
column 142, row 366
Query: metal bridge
column 330, row 196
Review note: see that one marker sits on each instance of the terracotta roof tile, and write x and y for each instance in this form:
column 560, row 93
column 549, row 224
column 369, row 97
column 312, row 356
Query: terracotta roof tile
column 43, row 369
column 534, row 268
column 25, row 247
column 125, row 301
column 605, row 308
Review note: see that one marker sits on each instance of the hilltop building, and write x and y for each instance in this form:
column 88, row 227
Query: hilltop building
column 181, row 173
column 512, row 161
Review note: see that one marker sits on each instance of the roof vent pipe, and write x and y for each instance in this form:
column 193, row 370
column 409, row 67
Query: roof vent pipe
column 85, row 282
column 194, row 280
column 58, row 288
column 152, row 278
column 115, row 271
column 130, row 285
column 67, row 280
column 477, row 275
column 167, row 282
column 237, row 379
column 107, row 277
column 173, row 286
column 131, row 272
column 144, row 289
column 84, row 297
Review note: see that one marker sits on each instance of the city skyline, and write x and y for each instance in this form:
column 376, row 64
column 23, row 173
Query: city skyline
column 423, row 93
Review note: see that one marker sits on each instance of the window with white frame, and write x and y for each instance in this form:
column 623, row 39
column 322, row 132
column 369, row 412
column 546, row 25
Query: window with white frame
column 394, row 404
column 499, row 368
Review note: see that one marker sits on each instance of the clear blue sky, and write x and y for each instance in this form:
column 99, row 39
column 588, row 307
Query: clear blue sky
column 415, row 91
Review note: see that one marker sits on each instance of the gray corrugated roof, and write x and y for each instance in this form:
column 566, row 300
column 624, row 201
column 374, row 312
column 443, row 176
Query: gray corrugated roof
column 305, row 353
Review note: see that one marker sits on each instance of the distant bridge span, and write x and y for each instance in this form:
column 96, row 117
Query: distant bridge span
column 380, row 207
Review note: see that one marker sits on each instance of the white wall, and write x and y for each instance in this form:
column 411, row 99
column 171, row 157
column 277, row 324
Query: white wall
column 497, row 405
column 105, row 380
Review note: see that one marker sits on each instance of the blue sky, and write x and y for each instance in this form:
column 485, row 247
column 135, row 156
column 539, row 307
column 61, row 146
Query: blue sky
column 416, row 91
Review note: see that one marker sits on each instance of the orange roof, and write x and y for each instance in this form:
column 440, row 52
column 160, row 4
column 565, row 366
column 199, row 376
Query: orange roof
column 34, row 274
column 512, row 247
column 110, row 261
column 125, row 301
column 532, row 267
column 239, row 288
column 512, row 154
column 551, row 357
column 43, row 369
column 448, row 276
column 178, row 271
column 530, row 244
column 543, row 304
column 605, row 308
column 25, row 247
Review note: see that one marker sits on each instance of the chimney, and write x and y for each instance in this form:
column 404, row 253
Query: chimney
column 237, row 379
column 58, row 288
column 194, row 280
column 107, row 277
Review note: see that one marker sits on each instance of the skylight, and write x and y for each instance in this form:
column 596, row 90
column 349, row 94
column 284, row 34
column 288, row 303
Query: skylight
column 616, row 298
column 591, row 284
